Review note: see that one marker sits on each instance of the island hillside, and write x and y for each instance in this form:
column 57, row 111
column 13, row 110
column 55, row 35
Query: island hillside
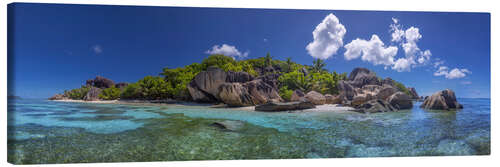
column 264, row 80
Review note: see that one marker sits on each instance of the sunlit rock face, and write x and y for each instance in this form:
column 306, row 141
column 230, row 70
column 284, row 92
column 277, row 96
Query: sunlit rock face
column 442, row 100
column 233, row 88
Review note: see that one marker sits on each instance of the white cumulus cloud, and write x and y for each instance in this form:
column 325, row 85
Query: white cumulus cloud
column 227, row 50
column 408, row 39
column 327, row 38
column 372, row 51
column 397, row 31
column 452, row 74
column 403, row 64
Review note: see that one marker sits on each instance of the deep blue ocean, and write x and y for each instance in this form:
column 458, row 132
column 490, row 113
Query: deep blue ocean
column 42, row 131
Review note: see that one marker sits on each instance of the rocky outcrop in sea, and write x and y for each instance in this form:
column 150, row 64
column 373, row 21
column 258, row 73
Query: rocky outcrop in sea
column 442, row 100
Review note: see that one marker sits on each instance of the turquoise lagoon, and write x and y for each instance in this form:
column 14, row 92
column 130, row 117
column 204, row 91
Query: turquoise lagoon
column 41, row 131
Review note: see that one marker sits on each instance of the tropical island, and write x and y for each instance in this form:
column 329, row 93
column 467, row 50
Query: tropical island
column 267, row 83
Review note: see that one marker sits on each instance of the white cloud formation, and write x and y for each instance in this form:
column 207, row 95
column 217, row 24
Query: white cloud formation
column 372, row 51
column 452, row 74
column 443, row 70
column 97, row 49
column 424, row 57
column 403, row 64
column 408, row 39
column 438, row 62
column 227, row 50
column 397, row 31
column 327, row 38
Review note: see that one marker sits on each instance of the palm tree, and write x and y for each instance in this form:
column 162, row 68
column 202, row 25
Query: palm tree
column 268, row 60
column 318, row 65
column 289, row 64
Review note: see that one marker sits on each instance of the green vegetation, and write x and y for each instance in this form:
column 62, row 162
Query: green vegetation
column 318, row 80
column 172, row 82
column 112, row 93
column 77, row 94
column 401, row 87
column 285, row 93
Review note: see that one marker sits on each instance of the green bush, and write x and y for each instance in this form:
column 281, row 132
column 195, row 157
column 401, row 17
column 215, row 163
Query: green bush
column 295, row 80
column 131, row 91
column 154, row 88
column 178, row 78
column 77, row 94
column 285, row 93
column 111, row 93
column 217, row 60
column 401, row 87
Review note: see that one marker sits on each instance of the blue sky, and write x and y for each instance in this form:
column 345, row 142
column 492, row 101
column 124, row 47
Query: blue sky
column 57, row 47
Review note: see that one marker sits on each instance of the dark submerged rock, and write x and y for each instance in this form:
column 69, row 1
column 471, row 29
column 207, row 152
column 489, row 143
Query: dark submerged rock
column 289, row 106
column 230, row 125
column 374, row 106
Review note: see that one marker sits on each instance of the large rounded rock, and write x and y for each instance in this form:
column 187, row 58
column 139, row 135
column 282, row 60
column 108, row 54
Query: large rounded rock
column 331, row 99
column 238, row 77
column 374, row 106
column 205, row 85
column 442, row 100
column 250, row 93
column 371, row 89
column 209, row 81
column 388, row 82
column 270, row 79
column 289, row 106
column 316, row 98
column 385, row 92
column 297, row 95
column 235, row 94
column 198, row 95
column 92, row 94
column 362, row 76
column 346, row 90
column 400, row 101
column 58, row 97
column 261, row 92
column 413, row 93
column 360, row 99
column 100, row 82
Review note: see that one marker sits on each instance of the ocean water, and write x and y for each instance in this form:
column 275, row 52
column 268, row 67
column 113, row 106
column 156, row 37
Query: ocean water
column 41, row 131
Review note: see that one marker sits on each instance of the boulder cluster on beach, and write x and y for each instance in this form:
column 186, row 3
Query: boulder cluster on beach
column 263, row 86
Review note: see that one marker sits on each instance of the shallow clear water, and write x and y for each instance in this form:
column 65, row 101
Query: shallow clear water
column 43, row 131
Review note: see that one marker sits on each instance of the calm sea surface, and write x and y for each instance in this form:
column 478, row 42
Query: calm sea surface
column 41, row 131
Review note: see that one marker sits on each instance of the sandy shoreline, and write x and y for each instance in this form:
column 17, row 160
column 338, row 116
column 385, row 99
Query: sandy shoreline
column 319, row 108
